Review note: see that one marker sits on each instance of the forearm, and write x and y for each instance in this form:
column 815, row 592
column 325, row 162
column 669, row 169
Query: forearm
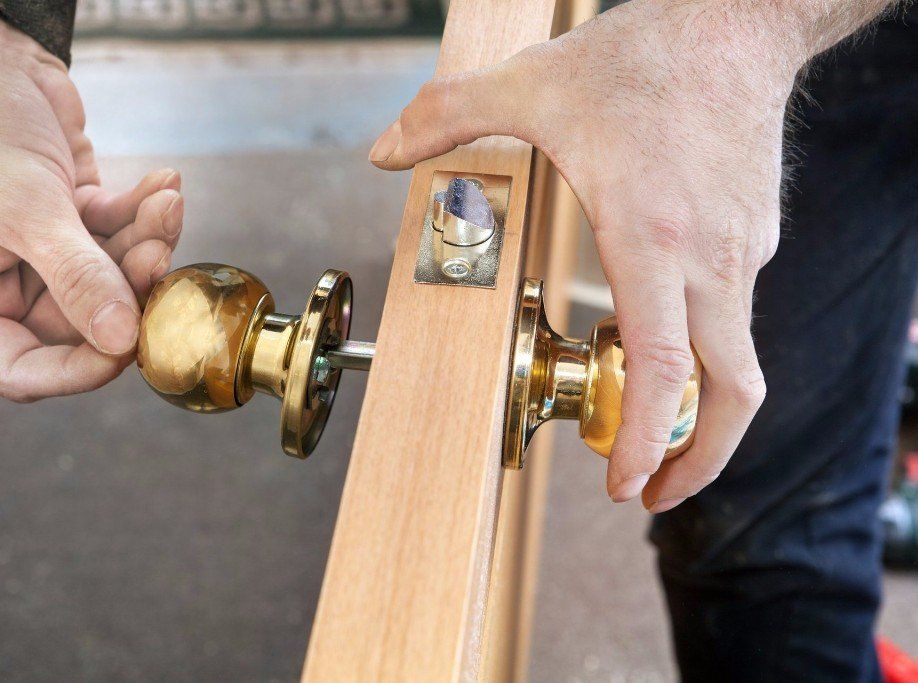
column 765, row 42
column 823, row 23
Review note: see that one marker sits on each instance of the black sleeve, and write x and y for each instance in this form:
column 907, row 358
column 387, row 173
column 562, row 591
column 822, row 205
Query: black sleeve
column 49, row 22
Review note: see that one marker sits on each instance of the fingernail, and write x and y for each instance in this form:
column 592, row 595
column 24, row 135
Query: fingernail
column 172, row 179
column 114, row 328
column 172, row 217
column 664, row 505
column 386, row 143
column 161, row 268
column 628, row 489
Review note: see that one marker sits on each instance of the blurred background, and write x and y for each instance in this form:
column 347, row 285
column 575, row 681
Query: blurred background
column 139, row 542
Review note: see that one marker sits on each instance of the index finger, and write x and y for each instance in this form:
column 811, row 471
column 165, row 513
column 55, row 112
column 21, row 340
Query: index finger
column 658, row 361
column 732, row 391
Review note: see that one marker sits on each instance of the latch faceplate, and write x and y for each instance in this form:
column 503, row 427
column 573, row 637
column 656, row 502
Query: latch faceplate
column 463, row 230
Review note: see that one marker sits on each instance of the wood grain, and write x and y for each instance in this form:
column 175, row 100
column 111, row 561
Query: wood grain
column 406, row 584
column 554, row 225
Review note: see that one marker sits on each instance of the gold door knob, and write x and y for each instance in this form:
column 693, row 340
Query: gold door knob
column 209, row 339
column 552, row 377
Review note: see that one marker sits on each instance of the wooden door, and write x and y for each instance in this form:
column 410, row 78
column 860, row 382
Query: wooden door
column 432, row 564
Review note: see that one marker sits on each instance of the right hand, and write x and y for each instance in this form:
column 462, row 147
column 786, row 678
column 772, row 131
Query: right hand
column 74, row 258
column 666, row 118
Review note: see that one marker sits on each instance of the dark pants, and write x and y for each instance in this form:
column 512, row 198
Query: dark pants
column 772, row 573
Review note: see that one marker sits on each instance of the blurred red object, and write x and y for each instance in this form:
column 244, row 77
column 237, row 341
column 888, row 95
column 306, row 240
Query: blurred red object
column 896, row 665
column 911, row 467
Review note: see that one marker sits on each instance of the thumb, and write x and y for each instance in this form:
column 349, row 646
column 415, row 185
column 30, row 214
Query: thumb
column 456, row 110
column 89, row 288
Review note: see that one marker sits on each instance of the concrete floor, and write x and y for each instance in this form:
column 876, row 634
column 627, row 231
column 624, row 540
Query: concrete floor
column 139, row 542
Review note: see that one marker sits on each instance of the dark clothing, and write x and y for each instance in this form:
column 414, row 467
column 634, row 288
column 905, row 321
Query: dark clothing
column 772, row 573
column 49, row 22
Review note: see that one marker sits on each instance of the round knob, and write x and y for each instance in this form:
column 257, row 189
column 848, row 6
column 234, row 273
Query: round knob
column 552, row 377
column 209, row 339
column 193, row 332
column 601, row 411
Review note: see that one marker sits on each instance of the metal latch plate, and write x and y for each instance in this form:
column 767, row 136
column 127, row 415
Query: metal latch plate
column 483, row 272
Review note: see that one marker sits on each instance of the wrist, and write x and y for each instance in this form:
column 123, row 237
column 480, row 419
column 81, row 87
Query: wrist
column 18, row 47
column 736, row 49
column 802, row 29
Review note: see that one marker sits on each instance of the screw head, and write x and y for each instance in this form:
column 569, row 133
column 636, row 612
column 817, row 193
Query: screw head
column 456, row 268
column 321, row 369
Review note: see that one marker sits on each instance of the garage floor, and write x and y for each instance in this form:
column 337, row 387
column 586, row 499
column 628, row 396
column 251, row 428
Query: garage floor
column 138, row 542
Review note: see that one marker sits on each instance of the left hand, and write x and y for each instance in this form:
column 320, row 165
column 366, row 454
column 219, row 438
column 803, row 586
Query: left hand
column 76, row 261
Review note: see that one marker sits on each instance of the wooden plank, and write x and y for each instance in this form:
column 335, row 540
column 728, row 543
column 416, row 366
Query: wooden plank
column 408, row 572
column 513, row 577
column 555, row 221
column 567, row 216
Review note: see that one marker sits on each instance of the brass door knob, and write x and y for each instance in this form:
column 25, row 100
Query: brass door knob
column 556, row 378
column 209, row 339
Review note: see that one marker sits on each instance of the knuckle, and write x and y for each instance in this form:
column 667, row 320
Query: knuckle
column 770, row 241
column 432, row 96
column 748, row 389
column 667, row 233
column 656, row 436
column 705, row 478
column 74, row 275
column 149, row 211
column 701, row 476
column 669, row 363
column 736, row 253
column 729, row 255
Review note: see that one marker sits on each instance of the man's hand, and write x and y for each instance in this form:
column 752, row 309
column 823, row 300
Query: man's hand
column 74, row 259
column 666, row 119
